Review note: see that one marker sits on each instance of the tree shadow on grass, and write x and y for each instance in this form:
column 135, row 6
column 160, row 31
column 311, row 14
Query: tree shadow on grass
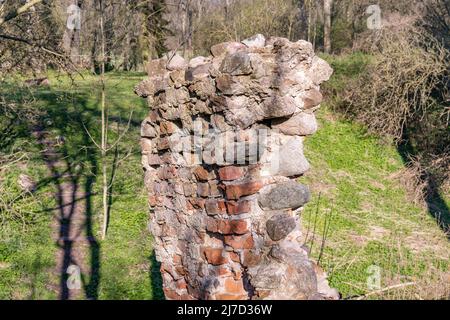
column 67, row 170
column 436, row 205
column 156, row 282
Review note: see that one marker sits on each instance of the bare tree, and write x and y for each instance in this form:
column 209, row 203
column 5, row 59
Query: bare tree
column 327, row 5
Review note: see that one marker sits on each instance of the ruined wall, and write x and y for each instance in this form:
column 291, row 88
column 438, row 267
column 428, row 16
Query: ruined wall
column 222, row 148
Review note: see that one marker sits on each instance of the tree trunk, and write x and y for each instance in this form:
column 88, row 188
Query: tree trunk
column 104, row 134
column 327, row 5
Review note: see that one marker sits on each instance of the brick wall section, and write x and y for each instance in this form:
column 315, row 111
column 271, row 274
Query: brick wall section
column 226, row 218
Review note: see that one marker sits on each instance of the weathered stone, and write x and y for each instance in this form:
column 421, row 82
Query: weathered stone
column 279, row 106
column 280, row 225
column 147, row 129
column 226, row 48
column 198, row 61
column 320, row 70
column 214, row 189
column 292, row 160
column 156, row 67
column 311, row 98
column 302, row 124
column 286, row 195
column 229, row 85
column 197, row 73
column 236, row 64
column 176, row 62
column 166, row 127
column 203, row 88
column 146, row 145
column 200, row 173
column 203, row 189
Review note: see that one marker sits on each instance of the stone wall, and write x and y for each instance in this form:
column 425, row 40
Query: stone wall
column 222, row 147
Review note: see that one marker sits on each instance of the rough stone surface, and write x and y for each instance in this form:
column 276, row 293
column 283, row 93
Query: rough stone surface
column 280, row 225
column 221, row 147
column 286, row 195
column 302, row 124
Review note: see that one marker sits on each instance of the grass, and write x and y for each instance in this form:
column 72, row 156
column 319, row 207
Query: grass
column 27, row 256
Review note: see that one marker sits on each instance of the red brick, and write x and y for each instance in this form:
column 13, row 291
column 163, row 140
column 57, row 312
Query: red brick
column 234, row 287
column 234, row 207
column 226, row 226
column 240, row 242
column 235, row 191
column 214, row 207
column 214, row 256
column 231, row 173
column 201, row 174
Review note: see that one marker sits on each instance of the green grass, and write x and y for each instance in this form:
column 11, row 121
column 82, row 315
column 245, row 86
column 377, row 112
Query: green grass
column 372, row 221
column 27, row 256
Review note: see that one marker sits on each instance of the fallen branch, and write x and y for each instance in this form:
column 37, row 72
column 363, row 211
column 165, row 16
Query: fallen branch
column 397, row 286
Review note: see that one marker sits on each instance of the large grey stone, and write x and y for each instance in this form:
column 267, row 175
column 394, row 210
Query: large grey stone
column 277, row 106
column 226, row 48
column 320, row 70
column 301, row 124
column 292, row 160
column 236, row 64
column 280, row 225
column 286, row 195
column 176, row 62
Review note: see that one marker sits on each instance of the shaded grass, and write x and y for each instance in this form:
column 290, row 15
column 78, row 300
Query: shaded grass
column 27, row 257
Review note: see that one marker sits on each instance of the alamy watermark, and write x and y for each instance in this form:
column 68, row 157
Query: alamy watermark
column 374, row 20
column 374, row 278
column 74, row 279
column 74, row 18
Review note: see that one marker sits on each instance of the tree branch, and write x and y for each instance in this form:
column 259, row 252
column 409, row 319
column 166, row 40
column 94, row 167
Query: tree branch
column 16, row 12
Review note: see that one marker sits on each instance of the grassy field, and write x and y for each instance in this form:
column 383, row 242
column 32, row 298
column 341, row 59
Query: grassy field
column 357, row 195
